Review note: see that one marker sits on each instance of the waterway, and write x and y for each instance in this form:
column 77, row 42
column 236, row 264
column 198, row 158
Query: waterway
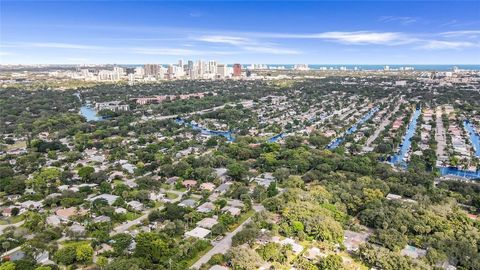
column 276, row 138
column 227, row 134
column 475, row 140
column 87, row 111
column 399, row 158
column 459, row 172
column 339, row 140
column 474, row 137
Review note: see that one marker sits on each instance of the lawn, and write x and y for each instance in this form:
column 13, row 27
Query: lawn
column 198, row 256
column 71, row 243
column 17, row 144
column 171, row 195
column 242, row 219
column 132, row 215
column 11, row 220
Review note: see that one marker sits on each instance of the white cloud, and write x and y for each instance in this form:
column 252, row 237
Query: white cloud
column 364, row 37
column 247, row 44
column 164, row 51
column 175, row 51
column 232, row 40
column 442, row 44
column 462, row 33
column 354, row 38
column 399, row 19
column 270, row 50
column 77, row 60
column 62, row 46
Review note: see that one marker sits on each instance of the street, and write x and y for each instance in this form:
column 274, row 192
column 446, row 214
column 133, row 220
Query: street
column 226, row 243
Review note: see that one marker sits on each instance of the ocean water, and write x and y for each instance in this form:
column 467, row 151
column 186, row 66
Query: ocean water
column 446, row 67
column 381, row 67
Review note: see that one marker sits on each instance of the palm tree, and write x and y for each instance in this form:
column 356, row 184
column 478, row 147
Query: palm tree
column 6, row 245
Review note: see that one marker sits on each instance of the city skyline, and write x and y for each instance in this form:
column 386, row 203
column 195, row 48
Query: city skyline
column 427, row 32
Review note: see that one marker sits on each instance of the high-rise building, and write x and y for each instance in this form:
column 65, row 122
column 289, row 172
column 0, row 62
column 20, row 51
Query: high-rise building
column 237, row 70
column 139, row 72
column 221, row 71
column 301, row 67
column 151, row 69
column 212, row 67
column 201, row 66
column 119, row 70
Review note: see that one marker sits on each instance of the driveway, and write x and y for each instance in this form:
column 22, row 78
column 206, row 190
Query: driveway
column 125, row 226
column 226, row 243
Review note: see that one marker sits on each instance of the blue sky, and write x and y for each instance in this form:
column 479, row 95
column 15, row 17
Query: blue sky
column 313, row 32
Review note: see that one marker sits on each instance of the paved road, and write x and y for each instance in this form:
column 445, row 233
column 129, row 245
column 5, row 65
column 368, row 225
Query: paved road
column 247, row 104
column 382, row 126
column 125, row 226
column 440, row 134
column 11, row 251
column 224, row 245
column 3, row 227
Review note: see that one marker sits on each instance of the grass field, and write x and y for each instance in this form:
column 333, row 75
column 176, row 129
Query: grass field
column 11, row 220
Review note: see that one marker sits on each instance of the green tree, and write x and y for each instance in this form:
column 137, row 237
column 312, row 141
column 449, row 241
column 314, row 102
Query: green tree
column 45, row 179
column 121, row 242
column 236, row 170
column 86, row 172
column 244, row 258
column 247, row 235
column 331, row 262
column 66, row 255
column 272, row 189
column 34, row 221
column 84, row 253
column 101, row 261
column 8, row 266
column 271, row 252
column 43, row 267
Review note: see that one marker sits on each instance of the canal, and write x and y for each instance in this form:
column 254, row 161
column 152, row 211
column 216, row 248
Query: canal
column 337, row 141
column 400, row 157
column 475, row 140
column 205, row 131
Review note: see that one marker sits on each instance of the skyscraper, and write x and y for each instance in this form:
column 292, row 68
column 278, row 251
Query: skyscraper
column 237, row 70
column 221, row 71
column 151, row 69
column 212, row 67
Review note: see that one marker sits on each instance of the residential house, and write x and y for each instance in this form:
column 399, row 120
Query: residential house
column 189, row 183
column 234, row 211
column 198, row 232
column 108, row 197
column 135, row 205
column 207, row 223
column 102, row 218
column 206, row 207
column 188, row 203
column 207, row 186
